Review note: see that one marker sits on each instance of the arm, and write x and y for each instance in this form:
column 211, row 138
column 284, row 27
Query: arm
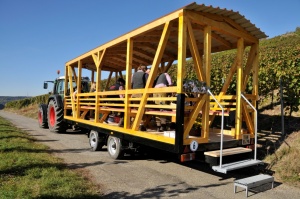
column 168, row 79
column 121, row 88
column 74, row 95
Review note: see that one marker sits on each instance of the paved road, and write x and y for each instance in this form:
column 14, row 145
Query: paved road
column 153, row 176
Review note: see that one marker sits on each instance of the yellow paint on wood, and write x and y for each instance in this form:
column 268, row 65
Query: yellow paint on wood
column 195, row 53
column 182, row 35
column 239, row 85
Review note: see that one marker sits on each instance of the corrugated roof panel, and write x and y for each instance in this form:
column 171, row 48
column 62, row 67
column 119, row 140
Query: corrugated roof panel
column 235, row 16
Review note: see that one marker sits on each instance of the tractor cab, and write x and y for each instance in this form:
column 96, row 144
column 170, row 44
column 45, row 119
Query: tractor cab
column 59, row 85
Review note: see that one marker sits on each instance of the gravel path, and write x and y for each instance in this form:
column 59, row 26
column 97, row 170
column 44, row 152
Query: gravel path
column 153, row 176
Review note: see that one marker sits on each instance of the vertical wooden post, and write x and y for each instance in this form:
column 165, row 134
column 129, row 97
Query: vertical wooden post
column 207, row 66
column 98, row 62
column 79, row 87
column 239, row 86
column 98, row 89
column 65, row 89
column 128, row 80
column 182, row 36
column 72, row 90
column 255, row 76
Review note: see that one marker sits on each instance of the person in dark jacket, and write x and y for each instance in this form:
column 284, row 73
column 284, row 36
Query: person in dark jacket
column 138, row 80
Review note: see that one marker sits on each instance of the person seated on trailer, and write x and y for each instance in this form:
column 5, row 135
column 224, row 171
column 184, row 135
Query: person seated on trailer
column 161, row 81
column 138, row 81
column 84, row 88
column 119, row 85
column 93, row 87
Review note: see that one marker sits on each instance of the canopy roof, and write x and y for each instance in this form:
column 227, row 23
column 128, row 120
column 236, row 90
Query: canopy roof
column 227, row 27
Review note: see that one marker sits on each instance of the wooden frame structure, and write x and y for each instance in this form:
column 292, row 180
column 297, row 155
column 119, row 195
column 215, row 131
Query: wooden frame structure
column 194, row 31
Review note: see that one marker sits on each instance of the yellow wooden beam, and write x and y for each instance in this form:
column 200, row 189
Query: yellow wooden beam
column 156, row 61
column 70, row 70
column 99, row 63
column 182, row 35
column 255, row 69
column 128, row 79
column 195, row 53
column 248, row 67
column 131, row 34
column 248, row 119
column 78, row 87
column 207, row 66
column 66, row 87
column 193, row 116
column 239, row 85
column 74, row 75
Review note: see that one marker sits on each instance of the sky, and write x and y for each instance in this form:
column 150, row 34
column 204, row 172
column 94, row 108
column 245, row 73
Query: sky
column 37, row 37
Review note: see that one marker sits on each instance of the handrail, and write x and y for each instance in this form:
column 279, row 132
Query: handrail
column 255, row 124
column 222, row 126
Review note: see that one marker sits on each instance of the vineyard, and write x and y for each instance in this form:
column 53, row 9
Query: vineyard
column 18, row 104
column 279, row 63
column 279, row 59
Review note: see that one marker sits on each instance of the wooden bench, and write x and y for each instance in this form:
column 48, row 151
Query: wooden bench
column 254, row 181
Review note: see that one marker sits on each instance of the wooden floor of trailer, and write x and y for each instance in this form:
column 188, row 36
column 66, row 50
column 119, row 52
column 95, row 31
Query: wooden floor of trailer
column 213, row 136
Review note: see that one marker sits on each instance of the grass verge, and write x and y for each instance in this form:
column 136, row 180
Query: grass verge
column 285, row 161
column 27, row 170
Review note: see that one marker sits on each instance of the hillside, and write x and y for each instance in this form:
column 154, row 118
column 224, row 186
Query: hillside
column 279, row 59
column 5, row 99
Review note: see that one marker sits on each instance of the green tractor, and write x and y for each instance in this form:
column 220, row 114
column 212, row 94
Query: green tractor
column 51, row 115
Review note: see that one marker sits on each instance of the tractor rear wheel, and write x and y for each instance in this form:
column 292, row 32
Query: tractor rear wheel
column 55, row 117
column 42, row 116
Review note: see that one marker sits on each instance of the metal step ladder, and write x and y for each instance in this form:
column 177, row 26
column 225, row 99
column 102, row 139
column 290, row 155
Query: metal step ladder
column 224, row 168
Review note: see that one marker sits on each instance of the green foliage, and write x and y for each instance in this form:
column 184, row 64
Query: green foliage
column 17, row 104
column 5, row 99
column 279, row 58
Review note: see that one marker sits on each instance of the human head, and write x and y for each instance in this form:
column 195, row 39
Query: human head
column 143, row 68
column 148, row 70
column 121, row 80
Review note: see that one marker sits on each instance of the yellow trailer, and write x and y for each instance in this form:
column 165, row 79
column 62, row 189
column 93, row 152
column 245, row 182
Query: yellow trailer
column 191, row 32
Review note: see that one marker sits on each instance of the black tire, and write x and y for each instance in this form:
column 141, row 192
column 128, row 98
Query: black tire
column 42, row 116
column 96, row 142
column 114, row 147
column 55, row 118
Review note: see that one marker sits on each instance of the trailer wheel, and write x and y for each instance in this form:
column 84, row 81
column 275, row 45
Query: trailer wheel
column 55, row 117
column 95, row 141
column 114, row 147
column 42, row 116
